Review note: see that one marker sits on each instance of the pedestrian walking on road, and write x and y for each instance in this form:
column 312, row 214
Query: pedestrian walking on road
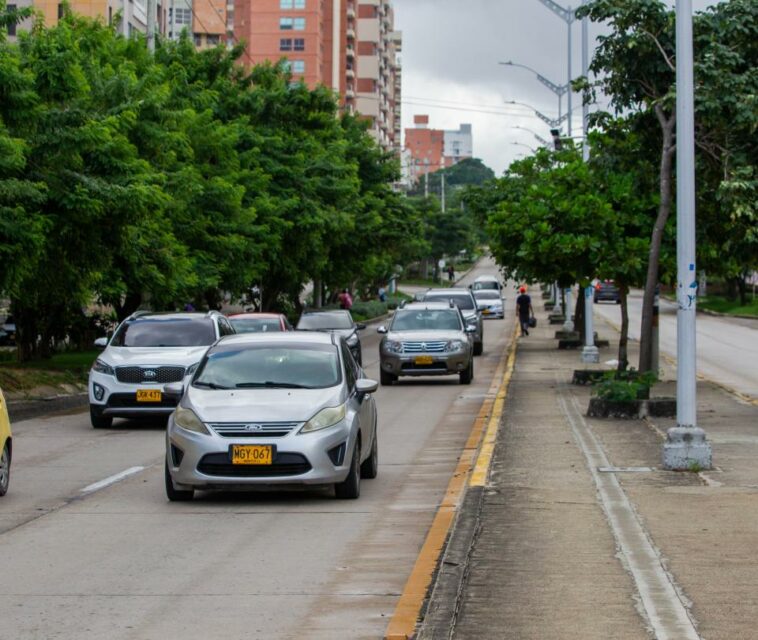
column 346, row 300
column 524, row 310
column 451, row 273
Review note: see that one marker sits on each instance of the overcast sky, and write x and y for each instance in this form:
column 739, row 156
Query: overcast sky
column 451, row 50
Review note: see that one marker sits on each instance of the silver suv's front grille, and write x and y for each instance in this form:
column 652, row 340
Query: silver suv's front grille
column 253, row 429
column 138, row 375
column 424, row 347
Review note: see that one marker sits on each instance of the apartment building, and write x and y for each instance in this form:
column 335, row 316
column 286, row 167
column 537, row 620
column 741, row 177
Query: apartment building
column 348, row 45
column 433, row 149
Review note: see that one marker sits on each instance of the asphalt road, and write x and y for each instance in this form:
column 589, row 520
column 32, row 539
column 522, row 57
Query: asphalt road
column 727, row 348
column 92, row 549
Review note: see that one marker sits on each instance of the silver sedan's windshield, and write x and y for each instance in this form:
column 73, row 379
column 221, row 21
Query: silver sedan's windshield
column 274, row 366
column 426, row 319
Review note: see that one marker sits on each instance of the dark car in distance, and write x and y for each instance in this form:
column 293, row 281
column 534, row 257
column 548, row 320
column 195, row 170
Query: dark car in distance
column 338, row 321
column 607, row 291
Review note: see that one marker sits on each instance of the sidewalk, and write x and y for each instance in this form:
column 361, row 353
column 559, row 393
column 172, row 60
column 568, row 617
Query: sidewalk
column 581, row 535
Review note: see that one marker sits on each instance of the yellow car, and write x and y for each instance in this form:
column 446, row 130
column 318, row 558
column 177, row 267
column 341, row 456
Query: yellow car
column 5, row 445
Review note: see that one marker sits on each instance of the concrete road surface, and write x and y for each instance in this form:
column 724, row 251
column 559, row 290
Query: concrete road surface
column 727, row 348
column 92, row 549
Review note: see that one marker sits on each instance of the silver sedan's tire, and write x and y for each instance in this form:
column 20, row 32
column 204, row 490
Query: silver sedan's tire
column 173, row 494
column 370, row 466
column 350, row 487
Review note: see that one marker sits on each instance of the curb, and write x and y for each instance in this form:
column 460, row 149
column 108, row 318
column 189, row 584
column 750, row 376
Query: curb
column 26, row 409
column 718, row 314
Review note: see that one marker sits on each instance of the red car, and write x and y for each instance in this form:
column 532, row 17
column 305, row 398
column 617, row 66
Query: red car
column 259, row 322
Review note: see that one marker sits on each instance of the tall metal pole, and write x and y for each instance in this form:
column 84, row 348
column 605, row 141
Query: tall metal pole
column 151, row 10
column 585, row 73
column 686, row 446
column 568, row 80
column 442, row 175
column 125, row 19
column 173, row 19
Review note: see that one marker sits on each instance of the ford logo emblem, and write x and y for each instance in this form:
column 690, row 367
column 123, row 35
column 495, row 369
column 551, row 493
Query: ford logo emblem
column 149, row 373
column 253, row 427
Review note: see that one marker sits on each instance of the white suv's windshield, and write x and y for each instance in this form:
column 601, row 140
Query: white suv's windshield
column 270, row 366
column 460, row 300
column 425, row 320
column 165, row 332
column 486, row 284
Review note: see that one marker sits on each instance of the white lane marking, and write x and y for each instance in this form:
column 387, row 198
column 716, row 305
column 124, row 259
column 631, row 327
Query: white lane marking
column 663, row 605
column 101, row 484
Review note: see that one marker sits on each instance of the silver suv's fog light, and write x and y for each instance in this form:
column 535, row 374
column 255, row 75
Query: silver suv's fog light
column 98, row 391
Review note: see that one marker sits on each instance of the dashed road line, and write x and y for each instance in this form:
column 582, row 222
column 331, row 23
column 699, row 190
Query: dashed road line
column 116, row 477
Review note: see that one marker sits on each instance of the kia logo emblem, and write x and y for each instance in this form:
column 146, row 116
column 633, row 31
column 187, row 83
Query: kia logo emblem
column 149, row 373
column 253, row 427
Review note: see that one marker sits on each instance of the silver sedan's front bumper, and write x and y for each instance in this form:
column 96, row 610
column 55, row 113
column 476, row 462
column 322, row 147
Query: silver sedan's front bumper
column 408, row 364
column 204, row 461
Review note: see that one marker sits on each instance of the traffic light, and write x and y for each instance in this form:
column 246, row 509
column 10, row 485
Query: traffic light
column 556, row 133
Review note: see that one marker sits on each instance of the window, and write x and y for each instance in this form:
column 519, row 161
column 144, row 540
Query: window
column 60, row 11
column 299, row 44
column 299, row 24
column 292, row 4
column 183, row 16
column 110, row 15
column 212, row 39
column 11, row 25
column 285, row 44
column 298, row 66
column 285, row 24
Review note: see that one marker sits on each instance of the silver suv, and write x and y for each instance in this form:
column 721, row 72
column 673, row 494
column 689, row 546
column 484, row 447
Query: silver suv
column 147, row 351
column 464, row 300
column 426, row 339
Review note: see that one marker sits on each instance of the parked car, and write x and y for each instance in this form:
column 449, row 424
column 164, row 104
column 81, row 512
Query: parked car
column 6, row 446
column 338, row 321
column 426, row 339
column 607, row 290
column 486, row 283
column 489, row 302
column 464, row 300
column 147, row 351
column 275, row 408
column 8, row 332
column 259, row 322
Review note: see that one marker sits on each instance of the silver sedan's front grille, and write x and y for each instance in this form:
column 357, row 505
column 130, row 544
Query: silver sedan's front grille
column 253, row 429
column 424, row 347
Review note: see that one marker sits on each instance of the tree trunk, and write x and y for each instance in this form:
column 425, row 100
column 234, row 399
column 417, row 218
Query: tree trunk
column 664, row 209
column 579, row 316
column 317, row 291
column 742, row 287
column 623, row 358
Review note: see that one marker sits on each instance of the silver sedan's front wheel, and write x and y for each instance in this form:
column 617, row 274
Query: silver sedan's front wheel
column 5, row 469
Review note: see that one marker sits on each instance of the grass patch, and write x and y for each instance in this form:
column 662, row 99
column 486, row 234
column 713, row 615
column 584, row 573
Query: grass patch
column 71, row 367
column 722, row 305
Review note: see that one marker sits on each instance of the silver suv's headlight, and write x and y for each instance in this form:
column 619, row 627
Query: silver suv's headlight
column 187, row 419
column 103, row 367
column 327, row 417
column 352, row 341
column 454, row 345
column 393, row 346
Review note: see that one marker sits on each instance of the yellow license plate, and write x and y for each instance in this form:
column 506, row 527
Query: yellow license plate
column 424, row 360
column 149, row 395
column 252, row 454
column 486, row 312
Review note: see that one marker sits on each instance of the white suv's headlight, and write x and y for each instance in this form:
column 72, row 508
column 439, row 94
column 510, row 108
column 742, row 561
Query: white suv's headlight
column 187, row 419
column 393, row 346
column 327, row 417
column 454, row 345
column 103, row 367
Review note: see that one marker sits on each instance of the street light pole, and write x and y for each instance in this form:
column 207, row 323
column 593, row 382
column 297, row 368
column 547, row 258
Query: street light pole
column 567, row 15
column 557, row 89
column 686, row 446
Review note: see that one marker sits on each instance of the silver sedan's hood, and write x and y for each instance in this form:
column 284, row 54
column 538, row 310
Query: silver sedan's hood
column 265, row 405
column 425, row 336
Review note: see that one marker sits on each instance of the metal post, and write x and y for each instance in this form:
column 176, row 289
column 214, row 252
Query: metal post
column 173, row 20
column 585, row 73
column 654, row 343
column 686, row 446
column 426, row 180
column 568, row 324
column 125, row 19
column 590, row 352
column 568, row 81
column 442, row 176
column 151, row 10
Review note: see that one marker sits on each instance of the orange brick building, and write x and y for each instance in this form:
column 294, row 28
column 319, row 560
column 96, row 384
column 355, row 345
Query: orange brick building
column 429, row 150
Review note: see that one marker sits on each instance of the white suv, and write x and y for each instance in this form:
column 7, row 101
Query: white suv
column 147, row 351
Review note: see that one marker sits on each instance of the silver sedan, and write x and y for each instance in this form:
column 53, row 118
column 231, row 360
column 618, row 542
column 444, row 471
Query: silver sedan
column 273, row 409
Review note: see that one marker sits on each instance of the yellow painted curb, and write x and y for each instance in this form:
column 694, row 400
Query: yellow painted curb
column 402, row 626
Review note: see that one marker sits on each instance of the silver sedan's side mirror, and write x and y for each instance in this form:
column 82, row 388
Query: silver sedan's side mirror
column 381, row 329
column 365, row 385
column 175, row 389
column 101, row 343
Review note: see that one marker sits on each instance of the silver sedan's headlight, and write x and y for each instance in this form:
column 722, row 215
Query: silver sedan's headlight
column 327, row 417
column 393, row 346
column 187, row 419
column 454, row 345
column 103, row 367
column 352, row 341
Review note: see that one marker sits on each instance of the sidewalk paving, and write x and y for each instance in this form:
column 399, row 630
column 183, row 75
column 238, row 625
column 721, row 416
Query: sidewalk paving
column 567, row 548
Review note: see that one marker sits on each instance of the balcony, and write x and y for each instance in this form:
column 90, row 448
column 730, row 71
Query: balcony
column 350, row 52
column 350, row 33
column 349, row 93
column 351, row 11
column 350, row 73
